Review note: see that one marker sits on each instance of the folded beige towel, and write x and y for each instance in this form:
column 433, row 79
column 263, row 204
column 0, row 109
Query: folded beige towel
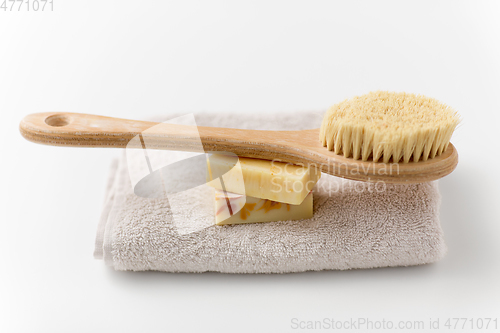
column 355, row 224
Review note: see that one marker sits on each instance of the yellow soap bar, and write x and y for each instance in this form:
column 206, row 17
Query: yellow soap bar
column 251, row 210
column 263, row 179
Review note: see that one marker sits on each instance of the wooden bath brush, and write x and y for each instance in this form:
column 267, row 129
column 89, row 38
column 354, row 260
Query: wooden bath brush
column 396, row 138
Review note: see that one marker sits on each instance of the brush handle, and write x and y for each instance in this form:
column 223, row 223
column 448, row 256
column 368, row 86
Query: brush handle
column 85, row 130
column 298, row 147
column 80, row 130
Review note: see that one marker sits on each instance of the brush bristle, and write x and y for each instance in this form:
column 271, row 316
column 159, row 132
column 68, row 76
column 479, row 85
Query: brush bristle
column 382, row 125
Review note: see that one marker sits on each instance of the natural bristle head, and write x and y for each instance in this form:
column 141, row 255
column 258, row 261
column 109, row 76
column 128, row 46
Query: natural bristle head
column 382, row 125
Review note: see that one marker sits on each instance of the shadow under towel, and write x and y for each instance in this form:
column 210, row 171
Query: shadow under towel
column 355, row 224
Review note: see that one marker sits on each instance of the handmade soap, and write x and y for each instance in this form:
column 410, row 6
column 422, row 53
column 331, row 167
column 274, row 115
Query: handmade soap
column 276, row 181
column 231, row 208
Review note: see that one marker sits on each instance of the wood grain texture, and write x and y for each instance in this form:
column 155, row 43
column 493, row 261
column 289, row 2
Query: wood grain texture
column 298, row 147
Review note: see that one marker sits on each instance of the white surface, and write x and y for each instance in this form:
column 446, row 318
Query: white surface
column 138, row 59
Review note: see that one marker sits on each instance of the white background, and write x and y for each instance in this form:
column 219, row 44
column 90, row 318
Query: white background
column 137, row 59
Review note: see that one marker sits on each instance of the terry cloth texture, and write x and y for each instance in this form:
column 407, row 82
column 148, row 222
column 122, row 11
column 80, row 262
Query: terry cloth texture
column 355, row 224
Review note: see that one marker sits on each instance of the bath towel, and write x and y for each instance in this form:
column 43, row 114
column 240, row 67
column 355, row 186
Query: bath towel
column 355, row 224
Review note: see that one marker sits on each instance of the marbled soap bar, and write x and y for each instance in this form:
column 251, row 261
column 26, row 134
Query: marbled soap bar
column 234, row 209
column 276, row 181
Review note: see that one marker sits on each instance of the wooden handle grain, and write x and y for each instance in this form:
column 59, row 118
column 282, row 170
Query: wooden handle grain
column 80, row 130
column 85, row 130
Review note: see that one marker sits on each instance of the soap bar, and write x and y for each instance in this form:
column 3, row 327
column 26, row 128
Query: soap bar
column 272, row 180
column 251, row 210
